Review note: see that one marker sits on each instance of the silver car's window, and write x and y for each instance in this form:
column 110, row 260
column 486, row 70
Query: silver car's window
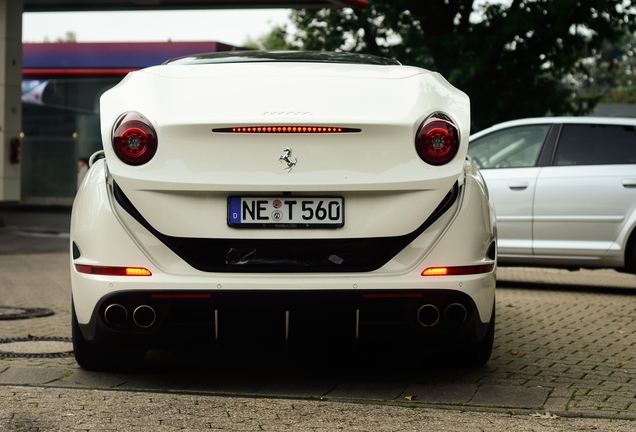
column 510, row 148
column 596, row 145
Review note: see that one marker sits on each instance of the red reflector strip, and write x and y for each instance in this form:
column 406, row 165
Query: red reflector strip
column 113, row 271
column 454, row 271
column 286, row 129
column 181, row 296
column 391, row 295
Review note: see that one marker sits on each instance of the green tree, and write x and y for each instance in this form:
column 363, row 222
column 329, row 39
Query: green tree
column 515, row 59
column 276, row 39
column 611, row 73
column 68, row 37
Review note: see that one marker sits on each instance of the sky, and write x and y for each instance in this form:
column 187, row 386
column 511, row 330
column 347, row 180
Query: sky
column 232, row 27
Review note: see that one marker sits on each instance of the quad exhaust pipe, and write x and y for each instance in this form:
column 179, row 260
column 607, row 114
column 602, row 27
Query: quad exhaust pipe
column 429, row 315
column 143, row 316
column 456, row 313
column 115, row 315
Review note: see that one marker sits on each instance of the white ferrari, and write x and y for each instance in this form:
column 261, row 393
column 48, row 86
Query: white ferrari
column 266, row 190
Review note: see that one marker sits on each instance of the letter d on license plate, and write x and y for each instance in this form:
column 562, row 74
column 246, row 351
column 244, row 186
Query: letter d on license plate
column 285, row 212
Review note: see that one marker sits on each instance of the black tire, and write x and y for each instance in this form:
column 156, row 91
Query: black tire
column 94, row 356
column 630, row 263
column 479, row 353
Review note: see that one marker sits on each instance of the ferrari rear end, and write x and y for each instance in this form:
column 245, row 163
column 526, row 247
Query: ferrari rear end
column 281, row 186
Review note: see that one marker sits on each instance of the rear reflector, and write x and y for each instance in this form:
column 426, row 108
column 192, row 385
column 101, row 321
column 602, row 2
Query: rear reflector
column 286, row 129
column 385, row 295
column 113, row 271
column 180, row 296
column 454, row 271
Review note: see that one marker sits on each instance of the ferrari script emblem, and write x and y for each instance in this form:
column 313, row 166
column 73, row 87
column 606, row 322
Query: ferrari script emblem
column 287, row 158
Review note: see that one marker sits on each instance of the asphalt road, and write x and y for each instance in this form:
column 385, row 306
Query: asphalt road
column 564, row 359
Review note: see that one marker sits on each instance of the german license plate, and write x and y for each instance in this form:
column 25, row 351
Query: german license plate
column 285, row 212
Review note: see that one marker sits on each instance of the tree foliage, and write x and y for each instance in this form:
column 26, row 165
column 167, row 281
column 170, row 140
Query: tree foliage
column 610, row 74
column 276, row 39
column 68, row 37
column 514, row 59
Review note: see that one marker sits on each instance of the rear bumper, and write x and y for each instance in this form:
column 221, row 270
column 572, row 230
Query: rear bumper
column 182, row 297
column 168, row 318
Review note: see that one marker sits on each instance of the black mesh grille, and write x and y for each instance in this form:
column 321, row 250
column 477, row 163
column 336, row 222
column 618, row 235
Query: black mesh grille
column 282, row 255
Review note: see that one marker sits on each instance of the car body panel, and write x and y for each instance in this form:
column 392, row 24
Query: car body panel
column 573, row 220
column 129, row 243
column 191, row 157
column 514, row 191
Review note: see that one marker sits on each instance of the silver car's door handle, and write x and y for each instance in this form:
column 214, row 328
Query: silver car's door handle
column 520, row 185
column 629, row 183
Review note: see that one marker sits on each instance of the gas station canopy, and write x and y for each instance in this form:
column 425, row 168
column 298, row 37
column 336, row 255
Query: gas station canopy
column 111, row 5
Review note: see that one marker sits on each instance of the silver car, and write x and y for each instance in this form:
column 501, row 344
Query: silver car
column 564, row 190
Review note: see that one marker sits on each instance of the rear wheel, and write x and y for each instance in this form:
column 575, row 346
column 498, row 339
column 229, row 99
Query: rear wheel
column 95, row 356
column 479, row 353
column 630, row 263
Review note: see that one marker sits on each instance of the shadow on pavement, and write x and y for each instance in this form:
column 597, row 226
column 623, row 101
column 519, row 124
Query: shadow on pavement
column 554, row 287
column 34, row 229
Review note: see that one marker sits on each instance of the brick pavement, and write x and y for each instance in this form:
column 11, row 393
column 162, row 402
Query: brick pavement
column 571, row 332
column 565, row 344
column 557, row 349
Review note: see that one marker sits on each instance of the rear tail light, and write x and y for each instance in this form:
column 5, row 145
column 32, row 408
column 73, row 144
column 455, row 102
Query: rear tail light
column 455, row 271
column 134, row 139
column 112, row 271
column 437, row 141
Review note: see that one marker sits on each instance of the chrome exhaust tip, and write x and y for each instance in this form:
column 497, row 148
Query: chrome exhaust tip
column 115, row 315
column 428, row 315
column 456, row 313
column 144, row 316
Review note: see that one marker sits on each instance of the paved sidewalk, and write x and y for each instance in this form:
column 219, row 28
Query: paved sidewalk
column 565, row 345
column 33, row 229
column 56, row 409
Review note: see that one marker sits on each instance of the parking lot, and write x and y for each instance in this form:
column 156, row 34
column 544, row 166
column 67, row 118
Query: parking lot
column 565, row 346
